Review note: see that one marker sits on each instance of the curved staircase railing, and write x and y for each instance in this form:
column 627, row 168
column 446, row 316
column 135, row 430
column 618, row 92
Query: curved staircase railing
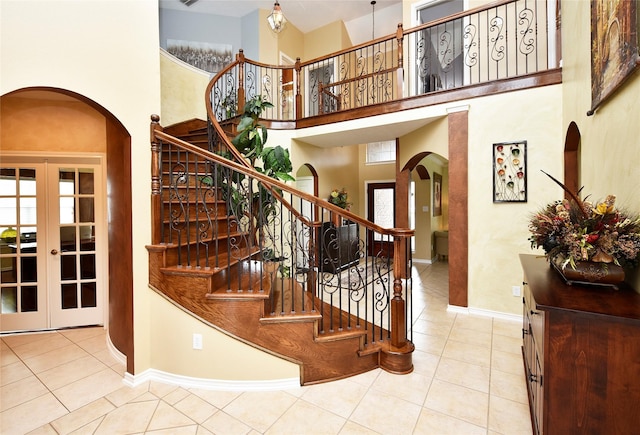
column 224, row 232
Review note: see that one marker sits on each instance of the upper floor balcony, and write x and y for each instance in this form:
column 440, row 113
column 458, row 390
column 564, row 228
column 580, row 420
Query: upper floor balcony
column 503, row 46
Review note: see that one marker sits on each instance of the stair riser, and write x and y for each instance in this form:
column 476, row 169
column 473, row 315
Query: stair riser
column 246, row 275
column 177, row 167
column 200, row 253
column 192, row 194
column 178, row 233
column 190, row 211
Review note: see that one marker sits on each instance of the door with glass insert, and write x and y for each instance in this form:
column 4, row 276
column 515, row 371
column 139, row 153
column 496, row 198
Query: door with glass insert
column 74, row 261
column 23, row 278
column 52, row 244
column 381, row 206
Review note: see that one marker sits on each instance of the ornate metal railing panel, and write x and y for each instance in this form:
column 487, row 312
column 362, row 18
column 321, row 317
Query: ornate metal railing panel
column 497, row 42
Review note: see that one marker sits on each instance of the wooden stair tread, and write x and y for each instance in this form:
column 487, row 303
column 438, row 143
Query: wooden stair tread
column 341, row 335
column 188, row 271
column 237, row 294
column 222, row 259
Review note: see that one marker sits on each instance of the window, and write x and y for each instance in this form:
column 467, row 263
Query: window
column 381, row 152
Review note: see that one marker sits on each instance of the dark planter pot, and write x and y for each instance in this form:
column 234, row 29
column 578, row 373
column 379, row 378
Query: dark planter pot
column 589, row 272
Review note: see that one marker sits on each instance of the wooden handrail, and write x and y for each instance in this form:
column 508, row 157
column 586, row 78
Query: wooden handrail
column 273, row 183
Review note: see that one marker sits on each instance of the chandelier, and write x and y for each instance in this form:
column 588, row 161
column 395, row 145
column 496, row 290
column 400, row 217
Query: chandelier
column 276, row 19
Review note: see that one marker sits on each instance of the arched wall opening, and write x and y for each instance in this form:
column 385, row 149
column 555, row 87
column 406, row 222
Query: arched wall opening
column 115, row 142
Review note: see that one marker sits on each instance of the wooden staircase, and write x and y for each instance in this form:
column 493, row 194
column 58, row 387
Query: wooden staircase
column 223, row 280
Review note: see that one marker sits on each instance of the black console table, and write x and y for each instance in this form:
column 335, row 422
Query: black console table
column 339, row 246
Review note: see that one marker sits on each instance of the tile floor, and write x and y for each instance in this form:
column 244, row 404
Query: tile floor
column 468, row 379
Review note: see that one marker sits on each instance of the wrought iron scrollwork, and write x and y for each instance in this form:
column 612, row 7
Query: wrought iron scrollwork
column 525, row 22
column 496, row 26
column 471, row 45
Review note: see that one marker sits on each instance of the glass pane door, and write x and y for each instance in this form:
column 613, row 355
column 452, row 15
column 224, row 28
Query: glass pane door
column 52, row 244
column 22, row 259
column 381, row 200
column 76, row 297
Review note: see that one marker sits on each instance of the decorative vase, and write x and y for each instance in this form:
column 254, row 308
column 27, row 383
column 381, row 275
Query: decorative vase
column 589, row 272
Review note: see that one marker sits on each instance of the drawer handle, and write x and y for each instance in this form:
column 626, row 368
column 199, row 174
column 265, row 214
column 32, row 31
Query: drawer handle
column 534, row 313
column 533, row 378
column 524, row 332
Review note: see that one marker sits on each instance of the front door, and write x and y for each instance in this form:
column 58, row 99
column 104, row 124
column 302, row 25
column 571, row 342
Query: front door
column 52, row 243
column 381, row 200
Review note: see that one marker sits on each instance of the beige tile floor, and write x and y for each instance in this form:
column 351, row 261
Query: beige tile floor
column 468, row 379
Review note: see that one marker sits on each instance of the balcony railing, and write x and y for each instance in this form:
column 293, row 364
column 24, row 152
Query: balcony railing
column 503, row 40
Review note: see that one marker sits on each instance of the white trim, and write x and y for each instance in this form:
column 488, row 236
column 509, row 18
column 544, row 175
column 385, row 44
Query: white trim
column 464, row 108
column 422, row 261
column 114, row 352
column 484, row 313
column 184, row 64
column 209, row 384
column 457, row 309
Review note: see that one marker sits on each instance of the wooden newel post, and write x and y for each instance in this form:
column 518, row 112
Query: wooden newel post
column 241, row 97
column 400, row 70
column 398, row 304
column 156, row 188
column 298, row 108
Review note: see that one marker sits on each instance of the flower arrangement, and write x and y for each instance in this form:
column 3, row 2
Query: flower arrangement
column 579, row 230
column 340, row 198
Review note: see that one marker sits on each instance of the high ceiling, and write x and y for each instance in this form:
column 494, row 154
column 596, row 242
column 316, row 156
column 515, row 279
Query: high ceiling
column 306, row 15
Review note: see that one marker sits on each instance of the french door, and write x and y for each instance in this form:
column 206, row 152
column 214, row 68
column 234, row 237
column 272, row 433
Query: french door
column 52, row 243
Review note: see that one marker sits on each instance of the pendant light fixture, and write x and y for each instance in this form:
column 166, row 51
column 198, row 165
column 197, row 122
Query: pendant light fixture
column 373, row 19
column 276, row 19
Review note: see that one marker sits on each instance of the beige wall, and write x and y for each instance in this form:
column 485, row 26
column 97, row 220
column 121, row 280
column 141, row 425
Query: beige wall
column 433, row 138
column 182, row 90
column 610, row 156
column 95, row 55
column 291, row 43
column 327, row 39
column 498, row 232
column 221, row 358
column 47, row 121
column 336, row 167
column 121, row 74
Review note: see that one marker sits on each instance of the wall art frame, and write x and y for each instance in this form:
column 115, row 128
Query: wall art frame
column 207, row 56
column 614, row 47
column 510, row 171
column 437, row 194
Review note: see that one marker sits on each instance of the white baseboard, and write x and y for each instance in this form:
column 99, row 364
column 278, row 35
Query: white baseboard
column 209, row 384
column 485, row 313
column 114, row 352
column 422, row 261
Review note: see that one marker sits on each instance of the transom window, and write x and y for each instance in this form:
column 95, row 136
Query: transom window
column 381, row 152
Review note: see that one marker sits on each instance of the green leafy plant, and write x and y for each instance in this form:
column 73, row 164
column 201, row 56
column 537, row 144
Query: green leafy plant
column 256, row 202
column 251, row 138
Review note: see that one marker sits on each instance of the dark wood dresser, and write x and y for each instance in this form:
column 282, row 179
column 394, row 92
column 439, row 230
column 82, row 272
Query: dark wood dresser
column 581, row 348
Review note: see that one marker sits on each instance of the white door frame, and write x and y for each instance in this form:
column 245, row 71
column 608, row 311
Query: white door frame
column 46, row 161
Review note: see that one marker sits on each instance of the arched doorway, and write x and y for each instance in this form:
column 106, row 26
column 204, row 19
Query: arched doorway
column 458, row 143
column 51, row 121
